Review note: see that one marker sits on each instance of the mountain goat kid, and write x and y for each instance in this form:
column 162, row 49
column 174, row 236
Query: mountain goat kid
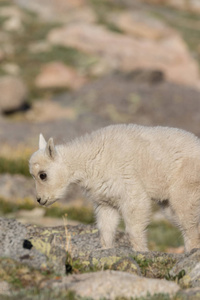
column 124, row 168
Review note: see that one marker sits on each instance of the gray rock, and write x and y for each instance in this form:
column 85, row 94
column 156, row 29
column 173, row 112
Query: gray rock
column 187, row 269
column 16, row 245
column 13, row 93
column 113, row 284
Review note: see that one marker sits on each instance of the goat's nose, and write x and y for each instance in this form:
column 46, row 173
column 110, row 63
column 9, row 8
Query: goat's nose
column 38, row 200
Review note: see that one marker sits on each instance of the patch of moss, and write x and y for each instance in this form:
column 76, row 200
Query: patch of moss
column 14, row 166
column 20, row 275
column 157, row 267
column 79, row 267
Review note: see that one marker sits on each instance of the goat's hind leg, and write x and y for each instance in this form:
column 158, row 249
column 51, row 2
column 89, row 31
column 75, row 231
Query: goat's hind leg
column 186, row 212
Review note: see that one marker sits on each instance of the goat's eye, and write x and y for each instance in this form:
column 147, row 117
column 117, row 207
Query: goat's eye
column 43, row 176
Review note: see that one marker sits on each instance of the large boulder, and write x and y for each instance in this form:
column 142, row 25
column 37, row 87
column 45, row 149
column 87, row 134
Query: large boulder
column 116, row 272
column 113, row 284
column 128, row 53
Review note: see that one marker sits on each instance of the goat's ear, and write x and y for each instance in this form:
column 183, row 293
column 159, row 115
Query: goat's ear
column 42, row 142
column 50, row 149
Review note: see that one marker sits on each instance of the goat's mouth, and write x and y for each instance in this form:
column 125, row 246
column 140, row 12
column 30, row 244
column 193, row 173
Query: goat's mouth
column 43, row 203
column 49, row 202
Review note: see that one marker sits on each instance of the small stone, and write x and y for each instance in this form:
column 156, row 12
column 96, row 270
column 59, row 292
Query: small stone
column 27, row 244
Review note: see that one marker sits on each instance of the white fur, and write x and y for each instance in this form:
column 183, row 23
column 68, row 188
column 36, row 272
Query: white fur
column 124, row 168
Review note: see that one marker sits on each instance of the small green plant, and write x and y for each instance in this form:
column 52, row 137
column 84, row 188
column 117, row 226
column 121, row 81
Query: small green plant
column 157, row 267
column 176, row 278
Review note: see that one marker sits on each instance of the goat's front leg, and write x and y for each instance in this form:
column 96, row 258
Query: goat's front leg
column 107, row 221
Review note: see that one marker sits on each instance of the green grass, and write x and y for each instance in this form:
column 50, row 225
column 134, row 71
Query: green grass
column 163, row 235
column 7, row 207
column 67, row 55
column 14, row 166
column 81, row 214
column 102, row 9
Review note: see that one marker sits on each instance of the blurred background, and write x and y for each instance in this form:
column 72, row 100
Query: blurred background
column 68, row 67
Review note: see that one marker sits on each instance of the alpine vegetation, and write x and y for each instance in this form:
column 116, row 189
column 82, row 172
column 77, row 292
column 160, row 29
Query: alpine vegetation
column 124, row 168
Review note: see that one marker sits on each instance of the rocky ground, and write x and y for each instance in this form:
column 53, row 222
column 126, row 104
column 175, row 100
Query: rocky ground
column 67, row 68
